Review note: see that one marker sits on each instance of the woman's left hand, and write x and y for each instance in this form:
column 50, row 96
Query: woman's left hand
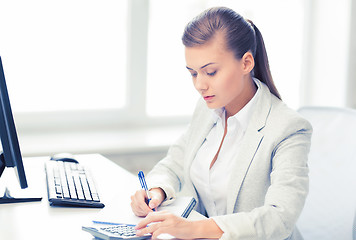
column 165, row 222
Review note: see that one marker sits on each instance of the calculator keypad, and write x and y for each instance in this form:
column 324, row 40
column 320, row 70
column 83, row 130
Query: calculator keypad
column 121, row 230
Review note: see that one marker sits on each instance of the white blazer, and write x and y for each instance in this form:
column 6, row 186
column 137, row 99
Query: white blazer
column 269, row 181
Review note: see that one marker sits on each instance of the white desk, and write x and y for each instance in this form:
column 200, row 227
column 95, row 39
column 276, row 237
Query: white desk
column 38, row 220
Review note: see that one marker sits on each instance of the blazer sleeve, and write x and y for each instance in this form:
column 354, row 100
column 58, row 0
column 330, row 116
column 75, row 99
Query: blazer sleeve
column 285, row 197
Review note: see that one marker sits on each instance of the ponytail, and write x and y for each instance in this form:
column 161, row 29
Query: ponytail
column 262, row 70
column 241, row 36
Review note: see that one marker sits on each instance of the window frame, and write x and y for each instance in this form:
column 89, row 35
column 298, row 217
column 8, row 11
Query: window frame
column 133, row 114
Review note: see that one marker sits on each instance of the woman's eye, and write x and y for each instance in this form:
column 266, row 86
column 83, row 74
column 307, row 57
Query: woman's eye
column 194, row 74
column 212, row 73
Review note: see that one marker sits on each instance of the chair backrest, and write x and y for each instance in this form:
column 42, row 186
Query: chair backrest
column 330, row 208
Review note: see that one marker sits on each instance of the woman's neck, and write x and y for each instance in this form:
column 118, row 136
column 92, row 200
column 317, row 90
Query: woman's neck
column 245, row 97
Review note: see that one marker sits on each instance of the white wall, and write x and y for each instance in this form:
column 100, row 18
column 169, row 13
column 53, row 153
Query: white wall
column 326, row 53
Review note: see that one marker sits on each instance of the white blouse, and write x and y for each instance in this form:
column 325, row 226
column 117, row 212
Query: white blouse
column 211, row 184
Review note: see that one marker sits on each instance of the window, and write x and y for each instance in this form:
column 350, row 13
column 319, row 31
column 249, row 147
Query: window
column 73, row 56
column 64, row 55
column 91, row 65
column 167, row 76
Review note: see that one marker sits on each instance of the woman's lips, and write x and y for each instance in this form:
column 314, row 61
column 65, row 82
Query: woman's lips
column 209, row 98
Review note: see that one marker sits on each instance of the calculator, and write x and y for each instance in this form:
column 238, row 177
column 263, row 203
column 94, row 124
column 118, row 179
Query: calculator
column 108, row 232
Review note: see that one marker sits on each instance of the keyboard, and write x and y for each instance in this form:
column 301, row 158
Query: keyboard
column 70, row 184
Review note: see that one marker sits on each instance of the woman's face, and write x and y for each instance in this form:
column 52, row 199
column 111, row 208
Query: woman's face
column 221, row 79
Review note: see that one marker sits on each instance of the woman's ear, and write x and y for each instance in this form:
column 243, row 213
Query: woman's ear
column 248, row 62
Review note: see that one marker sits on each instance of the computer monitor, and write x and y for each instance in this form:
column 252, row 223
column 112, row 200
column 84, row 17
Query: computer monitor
column 10, row 157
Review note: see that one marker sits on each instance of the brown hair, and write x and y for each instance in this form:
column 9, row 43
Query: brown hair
column 241, row 36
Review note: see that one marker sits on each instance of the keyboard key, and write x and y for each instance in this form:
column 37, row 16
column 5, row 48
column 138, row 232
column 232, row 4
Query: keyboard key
column 95, row 197
column 58, row 190
column 66, row 193
column 73, row 192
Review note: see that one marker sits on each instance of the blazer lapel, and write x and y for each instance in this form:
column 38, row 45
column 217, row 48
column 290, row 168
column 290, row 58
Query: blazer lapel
column 202, row 128
column 249, row 146
column 241, row 165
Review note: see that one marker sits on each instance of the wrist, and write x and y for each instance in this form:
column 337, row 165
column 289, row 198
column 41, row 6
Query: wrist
column 206, row 228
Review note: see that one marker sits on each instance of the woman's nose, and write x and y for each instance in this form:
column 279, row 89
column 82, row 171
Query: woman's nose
column 200, row 83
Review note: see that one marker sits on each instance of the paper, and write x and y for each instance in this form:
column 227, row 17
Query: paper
column 119, row 212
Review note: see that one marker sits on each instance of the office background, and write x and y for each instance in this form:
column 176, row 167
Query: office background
column 109, row 76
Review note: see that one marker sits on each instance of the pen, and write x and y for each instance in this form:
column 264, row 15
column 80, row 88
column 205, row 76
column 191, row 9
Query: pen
column 141, row 177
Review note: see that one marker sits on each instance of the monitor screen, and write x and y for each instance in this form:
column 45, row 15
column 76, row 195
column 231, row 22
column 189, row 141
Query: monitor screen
column 11, row 154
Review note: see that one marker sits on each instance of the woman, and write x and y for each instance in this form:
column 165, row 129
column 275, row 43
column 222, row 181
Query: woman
column 244, row 155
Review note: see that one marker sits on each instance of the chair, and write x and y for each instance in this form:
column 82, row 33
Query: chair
column 330, row 208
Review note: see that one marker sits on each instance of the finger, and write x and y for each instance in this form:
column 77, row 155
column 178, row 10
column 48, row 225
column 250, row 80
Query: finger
column 158, row 193
column 142, row 202
column 156, row 198
column 158, row 232
column 154, row 203
column 152, row 217
column 149, row 229
column 141, row 195
column 140, row 211
column 138, row 203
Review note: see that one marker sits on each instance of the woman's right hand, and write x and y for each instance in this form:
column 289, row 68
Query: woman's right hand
column 139, row 201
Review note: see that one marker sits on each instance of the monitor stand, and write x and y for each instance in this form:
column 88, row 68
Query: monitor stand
column 7, row 198
column 21, row 195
